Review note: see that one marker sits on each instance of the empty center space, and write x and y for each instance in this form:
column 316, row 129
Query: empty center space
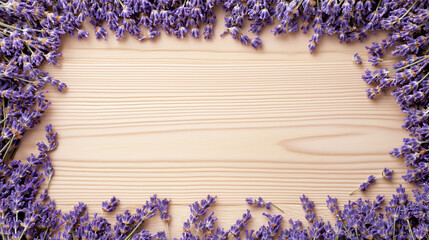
column 186, row 118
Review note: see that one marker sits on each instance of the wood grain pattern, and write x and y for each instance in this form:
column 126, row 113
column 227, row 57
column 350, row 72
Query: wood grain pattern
column 183, row 118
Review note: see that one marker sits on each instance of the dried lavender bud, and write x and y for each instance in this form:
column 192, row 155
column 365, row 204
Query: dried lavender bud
column 259, row 202
column 357, row 59
column 109, row 206
column 271, row 229
column 198, row 209
column 163, row 205
column 207, row 225
column 332, row 204
column 308, row 207
column 240, row 224
column 377, row 202
column 163, row 210
column 387, row 174
column 364, row 186
column 158, row 236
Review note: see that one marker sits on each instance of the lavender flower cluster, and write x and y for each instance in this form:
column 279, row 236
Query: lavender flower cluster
column 24, row 213
column 30, row 35
column 408, row 26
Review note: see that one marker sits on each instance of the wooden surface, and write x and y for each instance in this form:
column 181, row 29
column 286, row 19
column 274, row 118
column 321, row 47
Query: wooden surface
column 184, row 118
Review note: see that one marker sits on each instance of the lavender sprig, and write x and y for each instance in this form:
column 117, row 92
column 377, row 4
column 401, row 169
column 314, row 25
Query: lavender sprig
column 259, row 202
column 357, row 59
column 240, row 224
column 163, row 205
column 386, row 174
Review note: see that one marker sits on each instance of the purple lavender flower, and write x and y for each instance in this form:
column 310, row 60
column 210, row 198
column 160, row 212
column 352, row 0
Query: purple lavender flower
column 271, row 229
column 308, row 207
column 387, row 174
column 258, row 202
column 207, row 225
column 240, row 224
column 198, row 209
column 371, row 179
column 332, row 204
column 109, row 206
column 357, row 59
column 82, row 34
column 256, row 43
column 158, row 236
column 163, row 205
column 364, row 186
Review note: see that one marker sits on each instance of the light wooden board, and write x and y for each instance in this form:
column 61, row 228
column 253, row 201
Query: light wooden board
column 184, row 118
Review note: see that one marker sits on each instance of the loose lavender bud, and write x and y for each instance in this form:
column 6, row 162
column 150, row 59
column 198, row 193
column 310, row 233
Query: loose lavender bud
column 387, row 174
column 109, row 206
column 357, row 59
column 258, row 202
column 256, row 43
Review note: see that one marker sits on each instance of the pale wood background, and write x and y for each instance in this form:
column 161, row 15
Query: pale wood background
column 184, row 118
